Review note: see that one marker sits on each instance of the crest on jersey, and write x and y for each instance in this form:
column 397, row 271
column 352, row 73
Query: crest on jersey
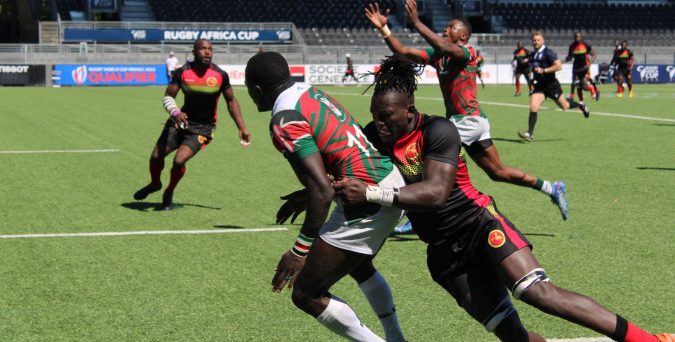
column 496, row 238
column 412, row 153
column 211, row 81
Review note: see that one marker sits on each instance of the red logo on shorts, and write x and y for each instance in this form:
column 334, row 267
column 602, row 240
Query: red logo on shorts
column 496, row 238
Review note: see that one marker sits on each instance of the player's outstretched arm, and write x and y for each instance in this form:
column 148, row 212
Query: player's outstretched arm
column 440, row 44
column 379, row 21
column 235, row 112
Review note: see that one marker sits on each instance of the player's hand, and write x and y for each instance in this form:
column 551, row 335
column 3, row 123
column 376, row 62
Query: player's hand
column 287, row 270
column 244, row 138
column 411, row 8
column 351, row 191
column 376, row 18
column 539, row 70
column 181, row 121
column 296, row 203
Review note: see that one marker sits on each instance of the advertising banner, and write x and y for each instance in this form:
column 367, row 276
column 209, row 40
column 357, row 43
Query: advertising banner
column 110, row 74
column 22, row 74
column 185, row 35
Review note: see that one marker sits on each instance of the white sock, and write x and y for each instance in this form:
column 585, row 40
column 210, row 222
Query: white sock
column 342, row 320
column 379, row 296
column 547, row 188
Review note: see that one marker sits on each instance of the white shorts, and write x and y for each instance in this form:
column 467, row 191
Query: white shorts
column 471, row 128
column 366, row 235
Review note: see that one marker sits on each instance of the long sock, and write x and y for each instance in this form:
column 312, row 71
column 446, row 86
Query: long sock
column 572, row 86
column 517, row 86
column 544, row 186
column 156, row 168
column 630, row 86
column 176, row 174
column 592, row 88
column 628, row 332
column 573, row 104
column 531, row 121
column 342, row 320
column 379, row 296
column 620, row 88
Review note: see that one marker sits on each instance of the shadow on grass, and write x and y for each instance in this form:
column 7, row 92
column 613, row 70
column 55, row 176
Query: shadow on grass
column 665, row 124
column 154, row 206
column 403, row 238
column 520, row 141
column 226, row 226
column 655, row 168
column 540, row 234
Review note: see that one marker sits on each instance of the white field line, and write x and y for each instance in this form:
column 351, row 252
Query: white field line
column 143, row 232
column 57, row 151
column 504, row 104
column 583, row 339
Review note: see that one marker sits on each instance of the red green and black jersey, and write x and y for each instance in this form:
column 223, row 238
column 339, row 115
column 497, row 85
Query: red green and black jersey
column 436, row 138
column 579, row 51
column 521, row 55
column 457, row 80
column 306, row 120
column 201, row 90
column 623, row 58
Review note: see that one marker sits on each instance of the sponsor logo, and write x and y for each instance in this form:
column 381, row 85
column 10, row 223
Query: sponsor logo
column 14, row 69
column 648, row 73
column 496, row 238
column 671, row 72
column 211, row 81
column 284, row 35
column 138, row 34
column 80, row 74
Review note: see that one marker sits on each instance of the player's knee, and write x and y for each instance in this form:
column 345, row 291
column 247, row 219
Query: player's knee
column 301, row 299
column 501, row 313
column 532, row 289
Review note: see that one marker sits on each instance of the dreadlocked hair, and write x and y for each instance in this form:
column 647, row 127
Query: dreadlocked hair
column 397, row 74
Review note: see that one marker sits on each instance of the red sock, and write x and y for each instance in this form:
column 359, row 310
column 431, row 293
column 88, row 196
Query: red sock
column 176, row 175
column 156, row 172
column 635, row 334
column 517, row 86
column 592, row 89
column 620, row 88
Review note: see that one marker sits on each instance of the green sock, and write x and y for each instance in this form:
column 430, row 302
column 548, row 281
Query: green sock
column 544, row 186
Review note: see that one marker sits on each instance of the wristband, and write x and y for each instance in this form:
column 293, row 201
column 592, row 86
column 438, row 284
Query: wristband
column 170, row 106
column 385, row 31
column 302, row 245
column 383, row 196
column 175, row 113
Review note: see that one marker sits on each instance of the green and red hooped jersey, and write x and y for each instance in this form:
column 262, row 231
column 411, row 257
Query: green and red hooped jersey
column 580, row 51
column 201, row 88
column 306, row 120
column 457, row 79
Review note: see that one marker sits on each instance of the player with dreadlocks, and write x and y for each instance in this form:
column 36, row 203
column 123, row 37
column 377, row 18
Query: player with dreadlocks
column 473, row 252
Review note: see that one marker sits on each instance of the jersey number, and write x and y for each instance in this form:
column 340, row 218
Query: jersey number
column 357, row 138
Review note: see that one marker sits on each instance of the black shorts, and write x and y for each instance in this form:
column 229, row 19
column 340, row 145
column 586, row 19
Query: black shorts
column 196, row 136
column 581, row 74
column 550, row 89
column 492, row 239
column 522, row 69
column 622, row 70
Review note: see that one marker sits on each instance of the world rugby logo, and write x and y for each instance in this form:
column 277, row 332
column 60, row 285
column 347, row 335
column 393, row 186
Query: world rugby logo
column 648, row 72
column 671, row 71
column 80, row 74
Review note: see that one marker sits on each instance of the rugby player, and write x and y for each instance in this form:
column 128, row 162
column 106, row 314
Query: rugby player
column 545, row 63
column 479, row 65
column 349, row 72
column 455, row 63
column 522, row 67
column 473, row 251
column 189, row 128
column 581, row 72
column 623, row 61
column 318, row 136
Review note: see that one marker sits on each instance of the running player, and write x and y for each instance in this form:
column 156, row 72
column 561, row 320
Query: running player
column 581, row 68
column 349, row 72
column 545, row 63
column 623, row 61
column 473, row 251
column 455, row 63
column 522, row 67
column 479, row 66
column 189, row 128
column 318, row 136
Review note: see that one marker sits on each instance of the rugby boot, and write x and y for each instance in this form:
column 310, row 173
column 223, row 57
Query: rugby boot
column 630, row 93
column 405, row 228
column 584, row 109
column 142, row 193
column 167, row 201
column 525, row 136
column 559, row 197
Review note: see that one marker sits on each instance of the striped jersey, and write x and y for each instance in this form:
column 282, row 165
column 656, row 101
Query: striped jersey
column 579, row 51
column 520, row 55
column 201, row 88
column 306, row 120
column 623, row 58
column 457, row 79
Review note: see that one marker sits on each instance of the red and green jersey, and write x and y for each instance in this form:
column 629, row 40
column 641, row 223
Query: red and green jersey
column 306, row 120
column 202, row 88
column 457, row 79
column 579, row 51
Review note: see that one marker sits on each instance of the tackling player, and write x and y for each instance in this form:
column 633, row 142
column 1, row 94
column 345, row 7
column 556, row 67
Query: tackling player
column 473, row 251
column 581, row 72
column 545, row 63
column 623, row 61
column 318, row 136
column 522, row 67
column 189, row 128
column 455, row 63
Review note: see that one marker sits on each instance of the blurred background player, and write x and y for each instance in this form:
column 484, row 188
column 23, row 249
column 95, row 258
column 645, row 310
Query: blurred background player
column 545, row 63
column 623, row 62
column 171, row 63
column 349, row 72
column 455, row 62
column 581, row 68
column 479, row 65
column 189, row 128
column 522, row 67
